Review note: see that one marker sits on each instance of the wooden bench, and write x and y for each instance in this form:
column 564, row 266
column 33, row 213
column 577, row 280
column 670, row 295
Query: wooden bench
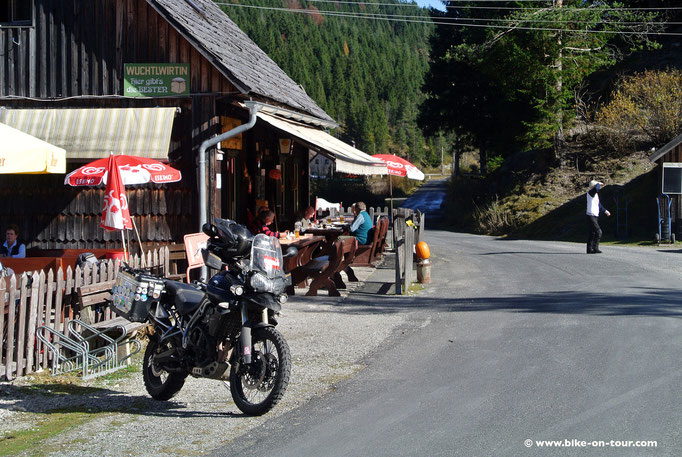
column 92, row 307
column 325, row 270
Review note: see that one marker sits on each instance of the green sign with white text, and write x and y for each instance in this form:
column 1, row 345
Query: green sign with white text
column 155, row 79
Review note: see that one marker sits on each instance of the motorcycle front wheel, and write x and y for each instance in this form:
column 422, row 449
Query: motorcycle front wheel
column 258, row 387
column 160, row 384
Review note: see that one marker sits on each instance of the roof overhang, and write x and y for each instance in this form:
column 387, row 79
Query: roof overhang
column 347, row 158
column 658, row 153
column 92, row 133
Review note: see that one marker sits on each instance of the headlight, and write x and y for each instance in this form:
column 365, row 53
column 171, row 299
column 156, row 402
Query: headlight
column 282, row 298
column 260, row 283
column 237, row 290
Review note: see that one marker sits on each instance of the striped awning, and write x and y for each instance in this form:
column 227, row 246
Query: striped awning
column 347, row 158
column 92, row 133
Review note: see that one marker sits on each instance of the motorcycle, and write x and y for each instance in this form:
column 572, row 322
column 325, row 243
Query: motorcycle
column 223, row 329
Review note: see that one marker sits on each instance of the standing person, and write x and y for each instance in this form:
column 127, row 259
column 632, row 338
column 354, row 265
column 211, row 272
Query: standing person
column 362, row 223
column 12, row 247
column 593, row 209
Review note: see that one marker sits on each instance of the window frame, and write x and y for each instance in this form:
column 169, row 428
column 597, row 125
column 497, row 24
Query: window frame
column 13, row 23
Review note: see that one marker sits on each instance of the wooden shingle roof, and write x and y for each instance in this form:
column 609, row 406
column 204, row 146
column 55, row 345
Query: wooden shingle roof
column 233, row 53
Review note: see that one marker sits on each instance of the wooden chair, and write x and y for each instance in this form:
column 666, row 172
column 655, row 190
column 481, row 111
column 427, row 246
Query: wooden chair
column 322, row 269
column 194, row 243
column 381, row 241
column 366, row 253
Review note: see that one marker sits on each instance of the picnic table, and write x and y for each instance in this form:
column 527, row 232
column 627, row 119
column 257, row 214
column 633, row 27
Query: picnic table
column 306, row 245
column 330, row 232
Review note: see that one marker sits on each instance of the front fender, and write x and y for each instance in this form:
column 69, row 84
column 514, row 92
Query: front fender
column 264, row 300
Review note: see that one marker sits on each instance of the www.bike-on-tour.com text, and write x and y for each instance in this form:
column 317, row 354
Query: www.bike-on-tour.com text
column 594, row 443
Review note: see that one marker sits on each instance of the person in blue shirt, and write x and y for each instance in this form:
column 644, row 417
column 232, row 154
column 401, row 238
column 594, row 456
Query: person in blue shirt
column 362, row 223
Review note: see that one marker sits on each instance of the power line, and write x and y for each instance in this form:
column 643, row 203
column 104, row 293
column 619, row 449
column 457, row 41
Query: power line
column 441, row 21
column 478, row 19
column 415, row 5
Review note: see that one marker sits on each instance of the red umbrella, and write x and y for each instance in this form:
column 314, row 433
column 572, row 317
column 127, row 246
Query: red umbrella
column 133, row 170
column 397, row 166
column 115, row 214
column 124, row 170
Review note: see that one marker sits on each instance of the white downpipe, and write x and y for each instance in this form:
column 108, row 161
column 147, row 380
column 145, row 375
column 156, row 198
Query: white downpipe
column 203, row 200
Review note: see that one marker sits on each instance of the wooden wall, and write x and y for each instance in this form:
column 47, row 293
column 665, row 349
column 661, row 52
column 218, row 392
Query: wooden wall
column 73, row 56
column 79, row 47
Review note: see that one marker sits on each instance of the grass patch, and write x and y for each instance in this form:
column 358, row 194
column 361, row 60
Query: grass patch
column 415, row 288
column 51, row 424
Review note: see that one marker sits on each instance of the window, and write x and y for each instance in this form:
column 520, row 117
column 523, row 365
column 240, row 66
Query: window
column 16, row 12
column 672, row 178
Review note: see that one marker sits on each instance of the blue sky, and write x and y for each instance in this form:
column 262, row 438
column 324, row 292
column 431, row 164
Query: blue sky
column 432, row 3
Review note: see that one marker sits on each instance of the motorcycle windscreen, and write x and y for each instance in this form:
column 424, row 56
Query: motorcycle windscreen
column 266, row 255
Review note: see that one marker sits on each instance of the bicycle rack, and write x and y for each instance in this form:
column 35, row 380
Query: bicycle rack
column 72, row 352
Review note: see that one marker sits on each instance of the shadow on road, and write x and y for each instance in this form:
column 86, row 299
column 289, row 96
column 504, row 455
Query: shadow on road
column 646, row 302
column 59, row 398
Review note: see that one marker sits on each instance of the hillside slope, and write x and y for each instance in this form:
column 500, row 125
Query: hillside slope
column 365, row 72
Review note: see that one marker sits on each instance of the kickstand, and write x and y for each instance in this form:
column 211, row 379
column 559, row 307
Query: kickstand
column 227, row 386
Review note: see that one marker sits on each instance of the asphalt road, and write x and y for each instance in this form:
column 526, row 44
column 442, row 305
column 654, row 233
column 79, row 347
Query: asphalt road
column 512, row 341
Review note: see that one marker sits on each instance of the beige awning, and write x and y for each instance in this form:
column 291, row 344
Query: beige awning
column 92, row 133
column 22, row 153
column 348, row 159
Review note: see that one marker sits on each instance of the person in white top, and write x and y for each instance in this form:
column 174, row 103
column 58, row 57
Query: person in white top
column 594, row 207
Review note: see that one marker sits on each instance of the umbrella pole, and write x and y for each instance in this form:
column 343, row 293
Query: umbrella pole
column 123, row 241
column 139, row 240
column 390, row 187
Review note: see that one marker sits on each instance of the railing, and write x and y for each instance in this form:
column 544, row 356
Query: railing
column 373, row 212
column 39, row 298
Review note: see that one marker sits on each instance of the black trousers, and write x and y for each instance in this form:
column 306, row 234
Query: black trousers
column 594, row 233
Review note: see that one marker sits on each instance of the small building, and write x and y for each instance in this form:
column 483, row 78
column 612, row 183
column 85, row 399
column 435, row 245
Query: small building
column 669, row 161
column 154, row 78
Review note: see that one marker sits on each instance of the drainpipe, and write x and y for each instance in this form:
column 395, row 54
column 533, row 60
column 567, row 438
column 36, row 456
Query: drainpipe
column 203, row 200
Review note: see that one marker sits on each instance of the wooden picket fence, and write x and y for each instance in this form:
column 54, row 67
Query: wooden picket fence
column 39, row 298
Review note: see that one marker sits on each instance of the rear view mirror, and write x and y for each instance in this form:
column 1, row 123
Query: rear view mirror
column 209, row 229
column 212, row 260
column 290, row 252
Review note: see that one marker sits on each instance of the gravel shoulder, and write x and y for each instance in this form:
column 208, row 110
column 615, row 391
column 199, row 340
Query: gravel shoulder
column 329, row 338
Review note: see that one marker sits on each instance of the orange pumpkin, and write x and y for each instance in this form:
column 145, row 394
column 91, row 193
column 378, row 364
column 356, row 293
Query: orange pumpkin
column 422, row 250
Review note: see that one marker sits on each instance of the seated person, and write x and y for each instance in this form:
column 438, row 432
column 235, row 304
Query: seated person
column 12, row 247
column 306, row 218
column 362, row 223
column 264, row 219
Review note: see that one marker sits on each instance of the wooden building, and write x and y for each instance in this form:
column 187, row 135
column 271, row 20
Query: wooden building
column 154, row 78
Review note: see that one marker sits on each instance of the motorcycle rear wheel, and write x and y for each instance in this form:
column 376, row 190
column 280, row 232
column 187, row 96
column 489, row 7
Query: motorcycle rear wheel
column 256, row 389
column 160, row 384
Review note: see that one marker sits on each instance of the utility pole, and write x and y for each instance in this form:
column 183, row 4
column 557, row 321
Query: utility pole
column 442, row 167
column 559, row 135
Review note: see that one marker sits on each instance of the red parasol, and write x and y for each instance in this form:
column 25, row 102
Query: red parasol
column 123, row 170
column 397, row 166
column 115, row 214
column 133, row 170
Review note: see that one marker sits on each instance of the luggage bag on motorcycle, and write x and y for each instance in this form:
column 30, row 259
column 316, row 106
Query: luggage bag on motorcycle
column 134, row 293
